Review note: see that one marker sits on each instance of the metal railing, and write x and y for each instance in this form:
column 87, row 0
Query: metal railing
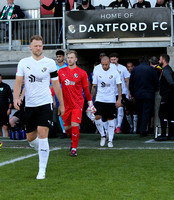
column 17, row 33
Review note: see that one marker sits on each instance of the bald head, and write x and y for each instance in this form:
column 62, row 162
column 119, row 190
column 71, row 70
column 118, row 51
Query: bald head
column 105, row 62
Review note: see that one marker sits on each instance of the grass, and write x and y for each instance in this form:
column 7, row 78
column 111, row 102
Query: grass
column 106, row 174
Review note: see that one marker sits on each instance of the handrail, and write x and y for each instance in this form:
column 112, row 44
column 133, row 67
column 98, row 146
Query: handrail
column 20, row 30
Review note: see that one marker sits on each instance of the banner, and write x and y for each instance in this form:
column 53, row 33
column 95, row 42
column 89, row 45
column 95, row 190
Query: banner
column 118, row 23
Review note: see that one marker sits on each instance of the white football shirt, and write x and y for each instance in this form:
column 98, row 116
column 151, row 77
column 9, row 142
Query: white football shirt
column 106, row 83
column 124, row 73
column 37, row 80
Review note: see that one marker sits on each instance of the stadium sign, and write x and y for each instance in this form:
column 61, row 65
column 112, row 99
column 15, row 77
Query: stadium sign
column 118, row 23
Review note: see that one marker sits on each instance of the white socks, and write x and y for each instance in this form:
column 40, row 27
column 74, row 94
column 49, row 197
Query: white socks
column 34, row 144
column 105, row 125
column 135, row 120
column 99, row 125
column 120, row 116
column 43, row 154
column 129, row 119
column 111, row 128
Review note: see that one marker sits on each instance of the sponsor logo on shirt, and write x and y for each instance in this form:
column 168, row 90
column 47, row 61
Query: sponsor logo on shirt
column 28, row 67
column 111, row 77
column 103, row 84
column 68, row 82
column 44, row 69
column 33, row 79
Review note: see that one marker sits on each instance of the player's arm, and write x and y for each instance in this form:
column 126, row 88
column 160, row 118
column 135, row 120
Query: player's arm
column 86, row 91
column 58, row 92
column 94, row 90
column 118, row 103
column 17, row 90
column 127, row 84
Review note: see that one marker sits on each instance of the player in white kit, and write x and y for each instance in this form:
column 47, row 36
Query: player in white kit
column 37, row 72
column 125, row 75
column 105, row 81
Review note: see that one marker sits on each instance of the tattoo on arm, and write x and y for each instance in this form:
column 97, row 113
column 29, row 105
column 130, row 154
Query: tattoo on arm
column 94, row 91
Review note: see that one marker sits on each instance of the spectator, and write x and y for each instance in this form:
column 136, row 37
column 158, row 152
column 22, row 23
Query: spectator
column 57, row 5
column 166, row 112
column 86, row 5
column 119, row 3
column 142, row 4
column 161, row 3
column 10, row 11
column 143, row 84
column 6, row 101
column 155, row 63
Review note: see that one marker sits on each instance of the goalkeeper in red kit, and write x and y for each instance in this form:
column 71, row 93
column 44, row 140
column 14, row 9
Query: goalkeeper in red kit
column 74, row 80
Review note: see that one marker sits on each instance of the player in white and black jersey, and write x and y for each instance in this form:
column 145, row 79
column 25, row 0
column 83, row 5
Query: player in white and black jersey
column 105, row 81
column 125, row 75
column 37, row 72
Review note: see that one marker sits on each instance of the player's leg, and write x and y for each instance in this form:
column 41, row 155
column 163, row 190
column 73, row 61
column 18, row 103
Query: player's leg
column 33, row 139
column 105, row 126
column 76, row 117
column 99, row 122
column 44, row 122
column 13, row 120
column 31, row 127
column 75, row 138
column 120, row 115
column 110, row 113
column 43, row 150
column 5, row 127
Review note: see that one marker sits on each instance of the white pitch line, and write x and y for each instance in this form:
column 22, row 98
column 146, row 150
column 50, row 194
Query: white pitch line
column 23, row 158
column 95, row 148
column 158, row 142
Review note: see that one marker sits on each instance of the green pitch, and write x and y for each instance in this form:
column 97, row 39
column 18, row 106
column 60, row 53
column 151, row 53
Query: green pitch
column 136, row 169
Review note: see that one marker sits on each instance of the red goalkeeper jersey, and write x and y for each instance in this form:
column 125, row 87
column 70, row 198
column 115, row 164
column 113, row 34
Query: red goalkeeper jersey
column 73, row 81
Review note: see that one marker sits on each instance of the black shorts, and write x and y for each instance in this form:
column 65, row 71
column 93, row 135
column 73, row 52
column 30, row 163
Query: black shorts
column 4, row 118
column 38, row 116
column 20, row 115
column 128, row 104
column 106, row 110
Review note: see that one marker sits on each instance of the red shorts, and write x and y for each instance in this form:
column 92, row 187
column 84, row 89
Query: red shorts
column 72, row 115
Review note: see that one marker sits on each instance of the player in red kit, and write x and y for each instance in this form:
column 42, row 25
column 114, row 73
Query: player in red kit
column 74, row 80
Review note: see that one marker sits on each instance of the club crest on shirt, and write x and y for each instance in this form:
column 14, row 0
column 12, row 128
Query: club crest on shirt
column 44, row 69
column 111, row 76
column 76, row 75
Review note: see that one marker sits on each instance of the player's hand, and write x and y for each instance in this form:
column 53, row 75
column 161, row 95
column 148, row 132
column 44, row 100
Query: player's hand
column 8, row 112
column 91, row 107
column 118, row 103
column 17, row 103
column 61, row 110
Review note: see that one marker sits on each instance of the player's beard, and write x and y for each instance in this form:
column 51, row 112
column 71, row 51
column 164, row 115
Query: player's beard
column 37, row 53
